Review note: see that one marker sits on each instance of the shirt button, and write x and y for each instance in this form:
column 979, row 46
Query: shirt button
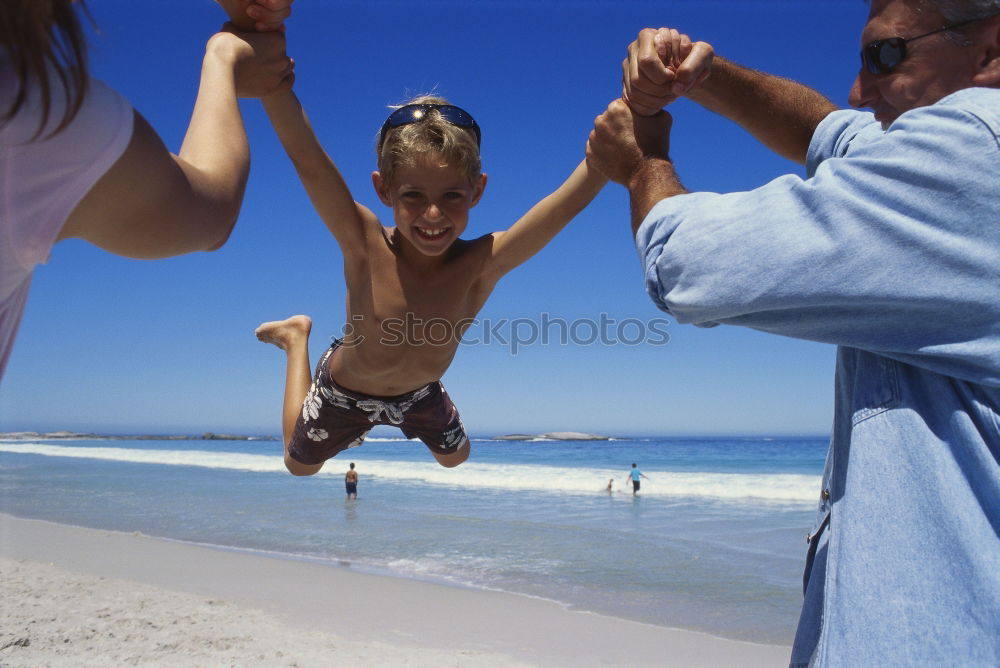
column 809, row 537
column 826, row 495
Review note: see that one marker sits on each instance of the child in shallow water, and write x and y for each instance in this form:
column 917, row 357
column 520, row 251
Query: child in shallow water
column 412, row 288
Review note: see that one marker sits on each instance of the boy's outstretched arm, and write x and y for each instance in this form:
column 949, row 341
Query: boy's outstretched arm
column 322, row 180
column 544, row 220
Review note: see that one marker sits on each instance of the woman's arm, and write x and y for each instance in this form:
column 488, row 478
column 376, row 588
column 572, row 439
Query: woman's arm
column 153, row 204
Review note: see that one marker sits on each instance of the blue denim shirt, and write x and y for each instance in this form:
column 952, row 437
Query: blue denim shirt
column 890, row 249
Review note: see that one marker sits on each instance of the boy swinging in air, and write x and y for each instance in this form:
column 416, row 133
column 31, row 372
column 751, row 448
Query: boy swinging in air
column 418, row 271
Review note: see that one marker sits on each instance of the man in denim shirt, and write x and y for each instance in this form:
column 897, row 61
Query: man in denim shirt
column 890, row 248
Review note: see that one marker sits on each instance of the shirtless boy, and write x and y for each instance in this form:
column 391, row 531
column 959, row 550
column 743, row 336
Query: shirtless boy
column 351, row 482
column 385, row 371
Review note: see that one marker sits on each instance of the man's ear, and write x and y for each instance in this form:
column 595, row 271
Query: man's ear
column 381, row 188
column 480, row 187
column 988, row 73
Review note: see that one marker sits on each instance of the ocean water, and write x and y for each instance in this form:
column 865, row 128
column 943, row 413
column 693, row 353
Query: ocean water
column 715, row 540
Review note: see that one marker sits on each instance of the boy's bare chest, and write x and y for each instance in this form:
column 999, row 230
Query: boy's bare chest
column 435, row 305
column 396, row 296
column 407, row 321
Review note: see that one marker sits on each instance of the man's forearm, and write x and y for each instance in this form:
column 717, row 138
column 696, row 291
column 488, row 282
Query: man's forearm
column 781, row 113
column 654, row 182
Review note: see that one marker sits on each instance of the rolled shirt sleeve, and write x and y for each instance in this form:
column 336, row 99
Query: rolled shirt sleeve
column 891, row 243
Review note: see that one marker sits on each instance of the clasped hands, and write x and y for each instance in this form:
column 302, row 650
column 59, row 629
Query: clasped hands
column 254, row 40
column 661, row 66
column 259, row 15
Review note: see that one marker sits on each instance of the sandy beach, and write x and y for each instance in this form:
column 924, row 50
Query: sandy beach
column 83, row 597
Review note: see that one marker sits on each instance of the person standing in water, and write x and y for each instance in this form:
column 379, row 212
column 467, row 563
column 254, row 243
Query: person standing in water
column 351, row 482
column 635, row 474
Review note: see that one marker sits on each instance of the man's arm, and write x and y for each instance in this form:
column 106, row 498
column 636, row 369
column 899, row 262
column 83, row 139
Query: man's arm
column 544, row 220
column 782, row 114
column 663, row 65
column 152, row 204
column 322, row 180
column 633, row 150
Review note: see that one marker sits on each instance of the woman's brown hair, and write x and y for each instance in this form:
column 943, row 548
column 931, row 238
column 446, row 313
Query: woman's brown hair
column 46, row 47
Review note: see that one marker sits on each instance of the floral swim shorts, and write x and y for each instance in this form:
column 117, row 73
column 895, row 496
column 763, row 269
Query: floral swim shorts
column 334, row 419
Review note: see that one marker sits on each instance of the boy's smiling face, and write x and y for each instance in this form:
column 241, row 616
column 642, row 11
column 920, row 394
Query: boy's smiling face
column 430, row 201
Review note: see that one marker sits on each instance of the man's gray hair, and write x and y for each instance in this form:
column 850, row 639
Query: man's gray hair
column 955, row 11
column 964, row 10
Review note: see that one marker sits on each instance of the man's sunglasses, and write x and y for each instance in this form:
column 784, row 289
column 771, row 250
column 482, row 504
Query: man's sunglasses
column 884, row 55
column 415, row 113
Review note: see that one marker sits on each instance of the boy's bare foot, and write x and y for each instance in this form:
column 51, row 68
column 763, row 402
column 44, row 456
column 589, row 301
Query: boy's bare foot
column 285, row 333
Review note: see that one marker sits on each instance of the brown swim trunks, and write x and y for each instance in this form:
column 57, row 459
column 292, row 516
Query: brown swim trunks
column 334, row 419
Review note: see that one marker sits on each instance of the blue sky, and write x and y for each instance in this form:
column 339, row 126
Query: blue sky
column 128, row 346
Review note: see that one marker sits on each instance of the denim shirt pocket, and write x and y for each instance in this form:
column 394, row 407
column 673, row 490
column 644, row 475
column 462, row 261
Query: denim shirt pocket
column 876, row 386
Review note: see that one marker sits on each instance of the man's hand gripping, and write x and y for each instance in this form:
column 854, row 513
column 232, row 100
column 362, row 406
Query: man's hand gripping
column 661, row 66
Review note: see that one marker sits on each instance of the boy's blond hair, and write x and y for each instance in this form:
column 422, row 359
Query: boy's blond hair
column 405, row 145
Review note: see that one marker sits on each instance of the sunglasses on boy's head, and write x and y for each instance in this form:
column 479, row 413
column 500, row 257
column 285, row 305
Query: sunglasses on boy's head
column 882, row 56
column 415, row 113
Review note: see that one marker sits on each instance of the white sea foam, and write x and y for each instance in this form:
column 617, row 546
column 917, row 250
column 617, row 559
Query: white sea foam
column 775, row 487
column 200, row 458
column 778, row 487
